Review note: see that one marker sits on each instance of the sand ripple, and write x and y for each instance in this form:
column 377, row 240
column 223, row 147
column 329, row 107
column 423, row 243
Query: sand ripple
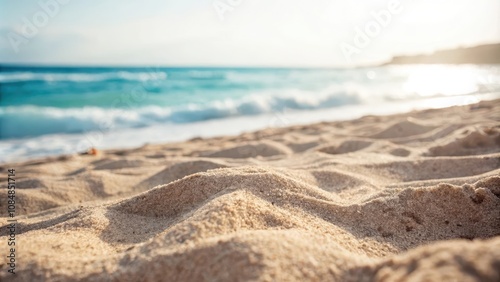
column 406, row 197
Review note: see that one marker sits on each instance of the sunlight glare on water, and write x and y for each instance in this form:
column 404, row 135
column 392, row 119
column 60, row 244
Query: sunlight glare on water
column 434, row 80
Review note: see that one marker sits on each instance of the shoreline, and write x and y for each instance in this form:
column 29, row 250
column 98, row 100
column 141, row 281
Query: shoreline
column 134, row 138
column 376, row 198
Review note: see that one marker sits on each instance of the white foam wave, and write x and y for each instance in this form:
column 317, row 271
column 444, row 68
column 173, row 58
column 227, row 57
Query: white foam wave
column 15, row 150
column 19, row 121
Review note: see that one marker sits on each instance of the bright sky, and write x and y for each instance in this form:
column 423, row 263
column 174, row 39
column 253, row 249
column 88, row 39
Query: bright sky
column 251, row 33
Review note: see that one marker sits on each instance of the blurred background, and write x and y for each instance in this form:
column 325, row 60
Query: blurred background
column 113, row 74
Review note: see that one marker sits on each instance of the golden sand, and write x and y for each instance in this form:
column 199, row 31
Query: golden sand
column 405, row 197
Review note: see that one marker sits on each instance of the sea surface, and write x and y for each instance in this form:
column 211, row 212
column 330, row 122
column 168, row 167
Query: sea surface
column 60, row 110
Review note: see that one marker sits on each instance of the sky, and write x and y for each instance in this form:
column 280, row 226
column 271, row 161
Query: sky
column 277, row 33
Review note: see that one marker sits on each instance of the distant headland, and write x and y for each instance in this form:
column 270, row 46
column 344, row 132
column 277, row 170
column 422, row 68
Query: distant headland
column 482, row 54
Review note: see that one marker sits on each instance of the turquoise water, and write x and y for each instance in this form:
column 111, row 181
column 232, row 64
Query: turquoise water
column 37, row 102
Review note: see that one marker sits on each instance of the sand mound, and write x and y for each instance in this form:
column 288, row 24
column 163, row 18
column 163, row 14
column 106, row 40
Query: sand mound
column 178, row 171
column 31, row 183
column 309, row 203
column 470, row 142
column 440, row 168
column 210, row 219
column 450, row 261
column 120, row 164
column 365, row 145
column 409, row 127
column 346, row 147
column 54, row 184
column 252, row 149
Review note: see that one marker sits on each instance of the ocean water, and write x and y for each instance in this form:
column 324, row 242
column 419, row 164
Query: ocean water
column 59, row 110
